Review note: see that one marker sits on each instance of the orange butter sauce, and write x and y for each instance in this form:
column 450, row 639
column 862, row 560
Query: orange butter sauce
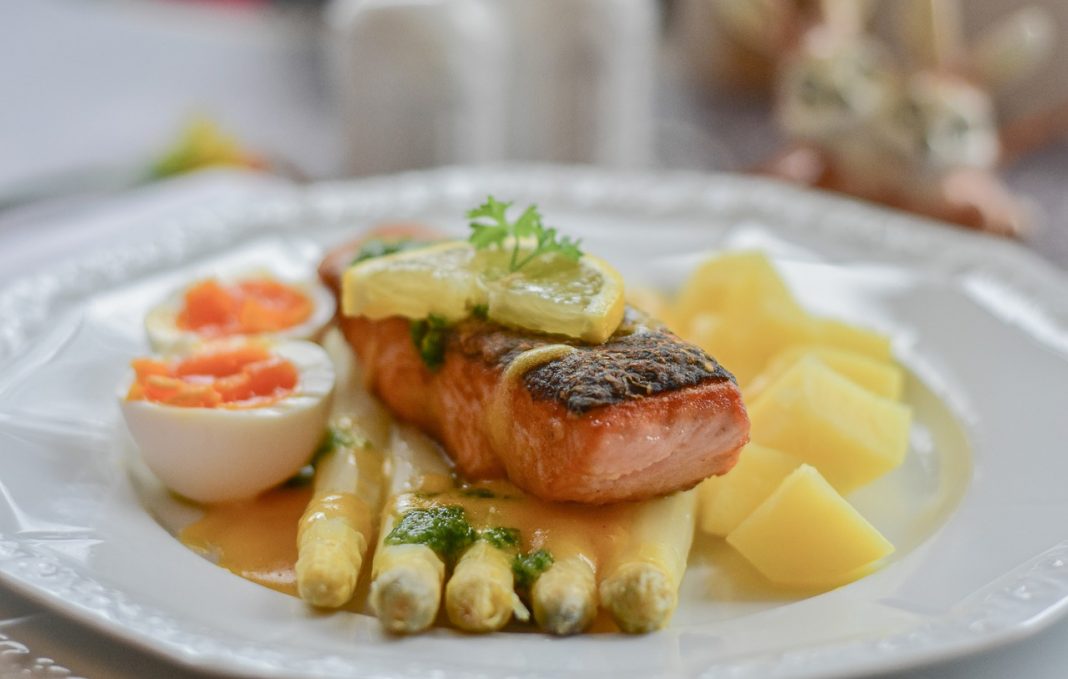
column 564, row 529
column 256, row 540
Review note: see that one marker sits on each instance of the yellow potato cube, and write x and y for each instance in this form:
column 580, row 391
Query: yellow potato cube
column 738, row 309
column 730, row 281
column 839, row 334
column 726, row 500
column 850, row 434
column 879, row 377
column 806, row 535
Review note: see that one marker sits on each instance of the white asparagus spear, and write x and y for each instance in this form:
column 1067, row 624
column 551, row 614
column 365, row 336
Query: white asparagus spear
column 407, row 578
column 339, row 522
column 565, row 596
column 480, row 596
column 641, row 584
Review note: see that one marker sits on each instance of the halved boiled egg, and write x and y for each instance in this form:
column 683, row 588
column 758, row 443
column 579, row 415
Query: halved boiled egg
column 253, row 304
column 233, row 418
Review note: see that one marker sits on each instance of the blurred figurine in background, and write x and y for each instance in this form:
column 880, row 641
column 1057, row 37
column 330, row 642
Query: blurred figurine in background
column 923, row 139
column 942, row 133
column 740, row 44
column 829, row 92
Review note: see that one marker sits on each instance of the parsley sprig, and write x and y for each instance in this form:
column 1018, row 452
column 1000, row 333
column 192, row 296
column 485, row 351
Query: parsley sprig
column 490, row 227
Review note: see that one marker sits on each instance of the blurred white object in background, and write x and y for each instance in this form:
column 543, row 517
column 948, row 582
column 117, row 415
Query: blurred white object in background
column 433, row 82
column 581, row 84
column 418, row 82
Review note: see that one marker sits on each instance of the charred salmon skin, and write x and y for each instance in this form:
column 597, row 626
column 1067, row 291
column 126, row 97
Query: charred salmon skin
column 641, row 415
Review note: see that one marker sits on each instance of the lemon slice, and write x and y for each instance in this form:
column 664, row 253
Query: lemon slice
column 552, row 294
column 415, row 284
column 559, row 296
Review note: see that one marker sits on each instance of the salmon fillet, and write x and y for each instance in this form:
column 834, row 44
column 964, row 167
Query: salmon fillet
column 640, row 416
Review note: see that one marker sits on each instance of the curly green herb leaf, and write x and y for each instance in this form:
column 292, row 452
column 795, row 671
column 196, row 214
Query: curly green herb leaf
column 490, row 227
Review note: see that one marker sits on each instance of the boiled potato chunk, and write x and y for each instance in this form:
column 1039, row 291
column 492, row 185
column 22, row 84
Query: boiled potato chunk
column 738, row 309
column 806, row 535
column 731, row 281
column 834, row 333
column 879, row 377
column 726, row 500
column 850, row 434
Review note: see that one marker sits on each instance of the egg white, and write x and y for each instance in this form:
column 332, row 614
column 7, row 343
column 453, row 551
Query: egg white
column 161, row 322
column 220, row 455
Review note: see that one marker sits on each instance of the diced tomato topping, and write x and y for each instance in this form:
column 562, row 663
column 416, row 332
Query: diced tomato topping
column 249, row 307
column 234, row 377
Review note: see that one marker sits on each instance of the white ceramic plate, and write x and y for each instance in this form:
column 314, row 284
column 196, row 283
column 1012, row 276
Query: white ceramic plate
column 977, row 512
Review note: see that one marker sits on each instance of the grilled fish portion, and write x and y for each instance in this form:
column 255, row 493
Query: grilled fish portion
column 639, row 416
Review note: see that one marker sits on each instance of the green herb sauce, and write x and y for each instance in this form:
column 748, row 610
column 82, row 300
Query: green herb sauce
column 446, row 530
column 475, row 491
column 500, row 537
column 376, row 247
column 443, row 529
column 527, row 567
column 428, row 336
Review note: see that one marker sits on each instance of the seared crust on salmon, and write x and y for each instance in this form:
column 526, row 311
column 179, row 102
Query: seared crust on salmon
column 639, row 416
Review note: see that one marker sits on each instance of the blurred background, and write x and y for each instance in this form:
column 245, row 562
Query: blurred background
column 102, row 95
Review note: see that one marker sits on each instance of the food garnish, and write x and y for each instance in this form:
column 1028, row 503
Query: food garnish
column 499, row 536
column 527, row 567
column 428, row 336
column 519, row 274
column 490, row 227
column 443, row 529
column 380, row 247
